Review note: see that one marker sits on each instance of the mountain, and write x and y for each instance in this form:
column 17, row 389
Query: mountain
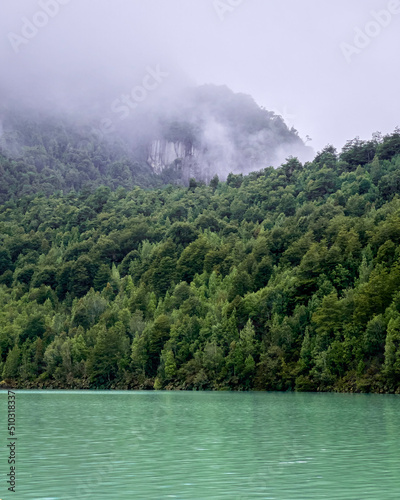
column 203, row 132
column 282, row 279
column 212, row 130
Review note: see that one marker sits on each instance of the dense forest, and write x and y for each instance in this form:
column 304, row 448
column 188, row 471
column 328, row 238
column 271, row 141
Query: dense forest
column 41, row 153
column 283, row 279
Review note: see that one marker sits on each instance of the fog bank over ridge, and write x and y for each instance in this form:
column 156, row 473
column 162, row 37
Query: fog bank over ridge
column 82, row 57
column 197, row 132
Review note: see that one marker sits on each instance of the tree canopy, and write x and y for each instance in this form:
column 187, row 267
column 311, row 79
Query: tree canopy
column 283, row 279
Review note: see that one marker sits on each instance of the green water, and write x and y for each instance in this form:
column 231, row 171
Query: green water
column 190, row 445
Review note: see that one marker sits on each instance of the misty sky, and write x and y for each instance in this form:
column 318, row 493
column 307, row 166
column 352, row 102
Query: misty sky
column 287, row 54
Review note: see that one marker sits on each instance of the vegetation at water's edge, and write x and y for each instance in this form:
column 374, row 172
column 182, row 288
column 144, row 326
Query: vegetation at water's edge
column 285, row 279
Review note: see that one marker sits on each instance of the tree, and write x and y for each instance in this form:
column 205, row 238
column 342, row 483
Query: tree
column 392, row 351
column 6, row 278
column 182, row 233
column 47, row 276
column 357, row 152
column 192, row 259
column 5, row 260
column 158, row 335
column 139, row 354
column 11, row 366
column 102, row 277
column 82, row 276
column 25, row 274
column 170, row 364
column 164, row 275
column 291, row 166
column 214, row 182
column 241, row 356
column 109, row 352
column 35, row 327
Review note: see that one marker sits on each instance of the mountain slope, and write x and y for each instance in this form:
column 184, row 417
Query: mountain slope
column 207, row 131
column 287, row 278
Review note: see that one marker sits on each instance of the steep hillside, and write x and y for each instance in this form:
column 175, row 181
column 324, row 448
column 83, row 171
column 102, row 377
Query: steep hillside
column 211, row 130
column 207, row 131
column 286, row 278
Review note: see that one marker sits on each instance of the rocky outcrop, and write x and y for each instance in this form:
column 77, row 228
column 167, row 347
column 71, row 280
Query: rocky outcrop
column 163, row 153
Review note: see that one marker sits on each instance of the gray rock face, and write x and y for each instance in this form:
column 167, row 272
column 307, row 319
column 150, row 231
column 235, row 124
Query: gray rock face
column 163, row 153
column 212, row 130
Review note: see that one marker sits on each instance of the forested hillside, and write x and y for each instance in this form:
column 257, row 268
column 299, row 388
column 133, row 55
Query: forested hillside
column 205, row 131
column 284, row 279
column 42, row 154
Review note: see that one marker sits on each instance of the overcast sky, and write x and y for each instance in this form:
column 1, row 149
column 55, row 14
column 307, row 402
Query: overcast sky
column 288, row 54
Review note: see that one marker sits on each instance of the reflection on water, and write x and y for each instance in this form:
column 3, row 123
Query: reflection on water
column 190, row 445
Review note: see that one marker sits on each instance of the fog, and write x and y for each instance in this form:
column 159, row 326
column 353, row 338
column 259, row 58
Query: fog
column 328, row 67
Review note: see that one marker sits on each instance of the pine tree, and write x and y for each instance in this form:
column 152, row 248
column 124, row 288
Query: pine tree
column 102, row 277
column 11, row 367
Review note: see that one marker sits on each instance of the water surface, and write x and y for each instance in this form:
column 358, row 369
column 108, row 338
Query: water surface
column 209, row 445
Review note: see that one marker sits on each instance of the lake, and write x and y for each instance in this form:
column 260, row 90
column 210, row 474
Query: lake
column 203, row 445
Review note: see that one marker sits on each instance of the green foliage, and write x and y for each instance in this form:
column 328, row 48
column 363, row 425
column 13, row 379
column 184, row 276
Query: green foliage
column 11, row 366
column 108, row 357
column 279, row 280
column 102, row 277
column 35, row 327
column 5, row 261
